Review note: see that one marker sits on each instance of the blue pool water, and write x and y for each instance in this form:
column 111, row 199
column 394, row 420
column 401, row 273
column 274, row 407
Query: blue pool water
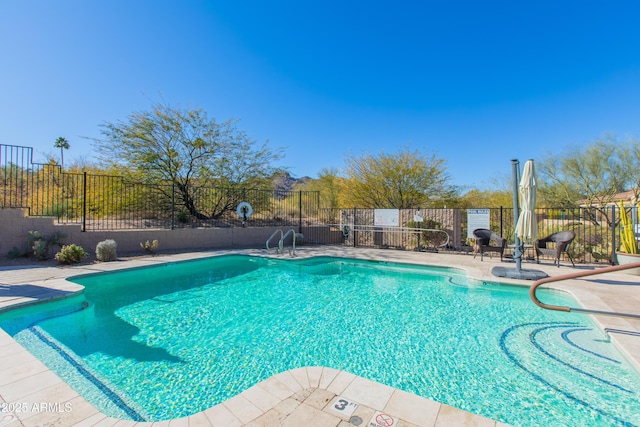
column 169, row 341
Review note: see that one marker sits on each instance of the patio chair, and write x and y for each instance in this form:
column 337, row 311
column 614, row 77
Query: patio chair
column 488, row 241
column 555, row 245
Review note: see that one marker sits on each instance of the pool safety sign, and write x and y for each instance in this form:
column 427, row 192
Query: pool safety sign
column 380, row 419
column 386, row 217
column 477, row 218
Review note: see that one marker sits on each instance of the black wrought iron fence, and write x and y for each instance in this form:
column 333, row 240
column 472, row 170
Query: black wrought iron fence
column 595, row 229
column 417, row 229
column 106, row 202
column 15, row 162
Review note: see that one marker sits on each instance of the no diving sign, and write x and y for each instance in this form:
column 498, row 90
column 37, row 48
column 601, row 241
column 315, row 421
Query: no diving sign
column 380, row 419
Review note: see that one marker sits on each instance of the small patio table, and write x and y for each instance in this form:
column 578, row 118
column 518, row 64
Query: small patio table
column 528, row 255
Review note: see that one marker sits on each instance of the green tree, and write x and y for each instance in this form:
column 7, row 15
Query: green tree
column 590, row 175
column 485, row 199
column 406, row 179
column 631, row 161
column 329, row 184
column 62, row 144
column 187, row 149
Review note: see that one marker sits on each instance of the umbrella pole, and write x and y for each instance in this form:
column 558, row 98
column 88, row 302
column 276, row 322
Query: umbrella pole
column 517, row 250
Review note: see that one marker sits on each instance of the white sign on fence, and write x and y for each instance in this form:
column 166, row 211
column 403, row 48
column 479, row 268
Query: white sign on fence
column 386, row 217
column 477, row 218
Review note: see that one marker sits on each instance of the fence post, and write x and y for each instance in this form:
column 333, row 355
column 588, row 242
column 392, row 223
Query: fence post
column 614, row 258
column 501, row 230
column 355, row 221
column 84, row 202
column 457, row 228
column 300, row 213
column 173, row 205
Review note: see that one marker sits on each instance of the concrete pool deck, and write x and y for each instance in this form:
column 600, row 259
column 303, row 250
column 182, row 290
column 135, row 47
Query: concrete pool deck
column 32, row 395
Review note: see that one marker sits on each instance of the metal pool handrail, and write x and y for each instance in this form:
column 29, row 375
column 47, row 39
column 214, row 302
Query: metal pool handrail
column 393, row 229
column 281, row 244
column 537, row 283
column 272, row 236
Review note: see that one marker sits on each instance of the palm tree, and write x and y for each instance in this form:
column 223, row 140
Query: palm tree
column 62, row 144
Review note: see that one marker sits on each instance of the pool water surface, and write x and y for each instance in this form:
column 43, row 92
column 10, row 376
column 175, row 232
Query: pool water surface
column 164, row 342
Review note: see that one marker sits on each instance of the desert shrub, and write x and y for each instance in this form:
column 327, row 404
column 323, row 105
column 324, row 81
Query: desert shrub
column 149, row 247
column 27, row 247
column 70, row 254
column 431, row 239
column 106, row 250
column 37, row 245
column 182, row 216
column 41, row 249
column 17, row 252
column 41, row 245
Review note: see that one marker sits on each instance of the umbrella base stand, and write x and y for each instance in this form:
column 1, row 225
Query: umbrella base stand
column 514, row 273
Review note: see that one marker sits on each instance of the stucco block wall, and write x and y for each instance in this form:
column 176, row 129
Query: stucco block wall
column 15, row 226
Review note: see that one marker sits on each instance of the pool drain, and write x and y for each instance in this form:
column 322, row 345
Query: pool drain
column 355, row 420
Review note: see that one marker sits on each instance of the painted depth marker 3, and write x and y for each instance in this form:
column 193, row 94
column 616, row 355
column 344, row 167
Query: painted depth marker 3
column 343, row 407
column 380, row 419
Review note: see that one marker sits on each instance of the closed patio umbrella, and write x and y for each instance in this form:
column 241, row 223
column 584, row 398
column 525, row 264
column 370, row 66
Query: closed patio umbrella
column 527, row 226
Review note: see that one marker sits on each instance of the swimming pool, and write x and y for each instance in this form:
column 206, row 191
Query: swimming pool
column 164, row 342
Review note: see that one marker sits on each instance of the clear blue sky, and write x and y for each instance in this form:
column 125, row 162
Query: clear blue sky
column 476, row 83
